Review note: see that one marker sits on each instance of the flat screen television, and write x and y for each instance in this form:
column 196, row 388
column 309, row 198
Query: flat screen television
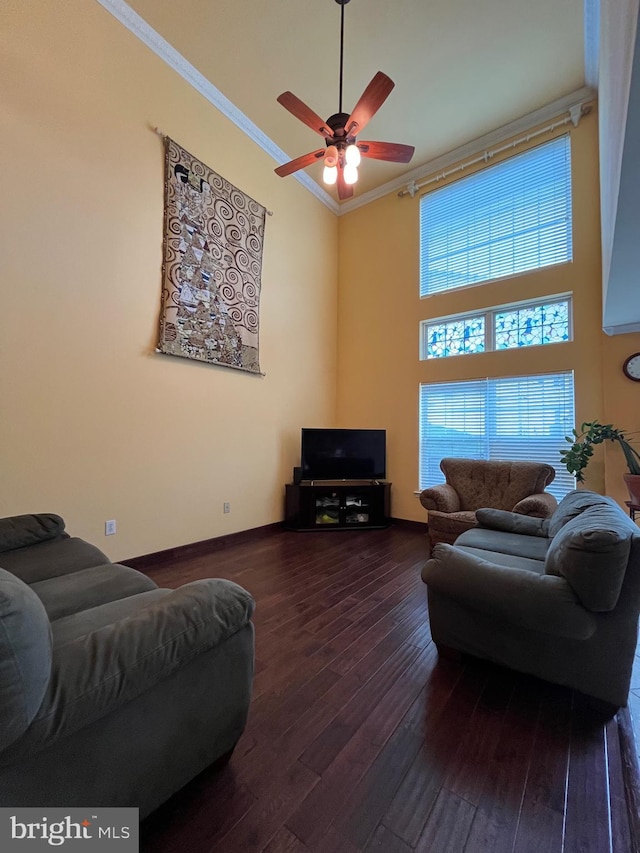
column 343, row 454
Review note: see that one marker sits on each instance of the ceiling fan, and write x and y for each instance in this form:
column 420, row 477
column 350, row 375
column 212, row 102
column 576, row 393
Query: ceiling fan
column 342, row 151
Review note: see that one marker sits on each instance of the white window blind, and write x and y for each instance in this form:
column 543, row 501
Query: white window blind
column 507, row 219
column 522, row 417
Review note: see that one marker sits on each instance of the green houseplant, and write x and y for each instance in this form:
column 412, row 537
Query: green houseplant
column 577, row 457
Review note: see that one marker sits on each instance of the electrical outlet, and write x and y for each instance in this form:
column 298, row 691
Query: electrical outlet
column 110, row 527
column 226, row 507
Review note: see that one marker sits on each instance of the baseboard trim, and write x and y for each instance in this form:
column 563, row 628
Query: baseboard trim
column 630, row 773
column 206, row 546
column 196, row 549
column 411, row 525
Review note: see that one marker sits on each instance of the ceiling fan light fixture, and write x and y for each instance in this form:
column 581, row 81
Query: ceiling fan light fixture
column 331, row 156
column 330, row 174
column 350, row 173
column 352, row 155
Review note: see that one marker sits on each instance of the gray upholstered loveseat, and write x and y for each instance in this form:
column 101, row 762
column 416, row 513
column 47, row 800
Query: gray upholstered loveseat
column 112, row 691
column 557, row 598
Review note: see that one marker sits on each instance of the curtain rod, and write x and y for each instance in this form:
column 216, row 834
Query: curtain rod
column 575, row 114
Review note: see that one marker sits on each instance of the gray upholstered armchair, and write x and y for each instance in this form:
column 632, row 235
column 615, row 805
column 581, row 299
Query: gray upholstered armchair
column 472, row 484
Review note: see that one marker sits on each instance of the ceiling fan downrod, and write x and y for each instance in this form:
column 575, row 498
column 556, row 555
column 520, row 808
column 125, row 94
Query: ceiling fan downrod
column 342, row 4
column 335, row 156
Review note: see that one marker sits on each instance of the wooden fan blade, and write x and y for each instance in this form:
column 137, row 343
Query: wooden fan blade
column 299, row 162
column 370, row 102
column 344, row 190
column 301, row 111
column 392, row 151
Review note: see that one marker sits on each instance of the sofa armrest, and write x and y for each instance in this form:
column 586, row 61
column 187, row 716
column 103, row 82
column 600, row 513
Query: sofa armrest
column 20, row 531
column 541, row 505
column 94, row 674
column 517, row 596
column 442, row 497
column 512, row 522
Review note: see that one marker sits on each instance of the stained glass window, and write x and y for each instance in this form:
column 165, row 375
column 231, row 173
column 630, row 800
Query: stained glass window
column 456, row 337
column 507, row 327
column 531, row 326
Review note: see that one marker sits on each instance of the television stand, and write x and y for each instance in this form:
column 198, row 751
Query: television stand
column 340, row 482
column 337, row 505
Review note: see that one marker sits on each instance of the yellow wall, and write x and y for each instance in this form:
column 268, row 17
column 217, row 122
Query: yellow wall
column 93, row 424
column 379, row 312
column 621, row 408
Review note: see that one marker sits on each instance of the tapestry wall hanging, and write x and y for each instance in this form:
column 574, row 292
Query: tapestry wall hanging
column 213, row 236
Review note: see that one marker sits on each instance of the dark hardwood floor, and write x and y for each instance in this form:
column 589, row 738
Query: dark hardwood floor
column 361, row 739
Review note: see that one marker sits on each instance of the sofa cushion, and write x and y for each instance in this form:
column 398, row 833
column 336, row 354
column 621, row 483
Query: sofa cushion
column 513, row 522
column 69, row 628
column 591, row 552
column 69, row 594
column 51, row 559
column 19, row 531
column 572, row 505
column 510, row 560
column 25, row 656
column 532, row 547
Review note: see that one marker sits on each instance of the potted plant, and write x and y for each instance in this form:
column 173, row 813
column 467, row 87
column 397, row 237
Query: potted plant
column 577, row 457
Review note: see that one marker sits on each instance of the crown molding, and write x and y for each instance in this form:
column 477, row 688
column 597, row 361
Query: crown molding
column 138, row 27
column 470, row 149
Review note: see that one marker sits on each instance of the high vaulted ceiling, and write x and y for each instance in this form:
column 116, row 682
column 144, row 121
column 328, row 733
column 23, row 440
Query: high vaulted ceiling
column 467, row 72
column 462, row 68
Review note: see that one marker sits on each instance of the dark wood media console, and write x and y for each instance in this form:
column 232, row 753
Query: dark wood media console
column 323, row 505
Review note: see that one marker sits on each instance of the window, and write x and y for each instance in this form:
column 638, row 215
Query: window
column 507, row 327
column 531, row 325
column 521, row 417
column 505, row 220
column 457, row 336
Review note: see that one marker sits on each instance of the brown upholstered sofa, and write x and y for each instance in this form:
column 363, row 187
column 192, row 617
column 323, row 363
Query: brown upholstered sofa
column 471, row 484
